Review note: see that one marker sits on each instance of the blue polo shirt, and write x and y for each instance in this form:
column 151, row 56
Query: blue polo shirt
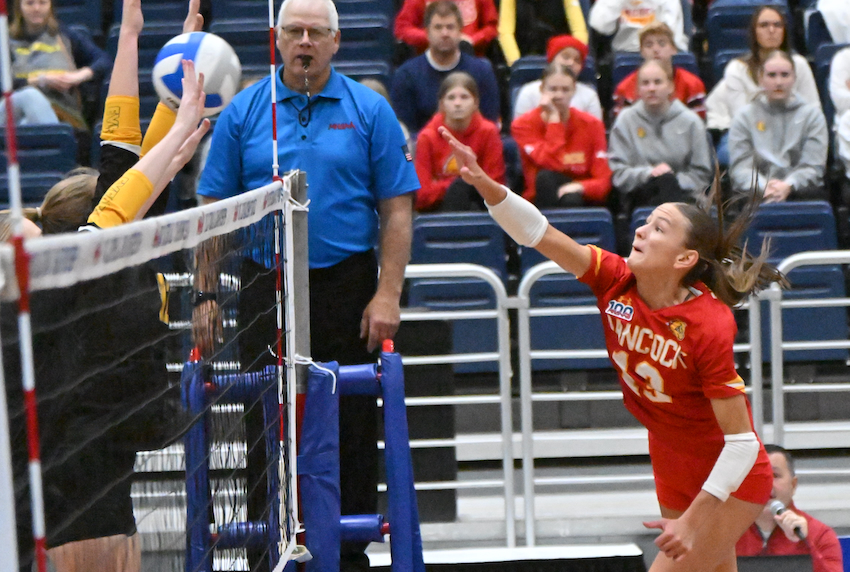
column 352, row 149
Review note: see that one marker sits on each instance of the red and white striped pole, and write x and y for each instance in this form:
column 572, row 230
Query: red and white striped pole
column 24, row 324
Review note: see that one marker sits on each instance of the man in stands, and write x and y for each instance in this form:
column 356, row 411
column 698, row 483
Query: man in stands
column 480, row 22
column 417, row 81
column 657, row 43
column 777, row 534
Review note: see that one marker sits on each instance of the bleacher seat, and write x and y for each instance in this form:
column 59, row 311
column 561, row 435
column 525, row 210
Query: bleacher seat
column 156, row 11
column 721, row 60
column 383, row 7
column 238, row 9
column 366, row 37
column 363, row 69
column 43, row 148
column 248, row 36
column 33, row 187
column 153, row 37
column 817, row 34
column 586, row 226
column 460, row 237
column 794, row 227
column 85, row 13
column 823, row 59
column 845, row 551
column 728, row 22
column 627, row 62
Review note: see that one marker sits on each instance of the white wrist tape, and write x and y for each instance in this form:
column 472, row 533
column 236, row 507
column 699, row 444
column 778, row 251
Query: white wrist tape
column 733, row 465
column 520, row 219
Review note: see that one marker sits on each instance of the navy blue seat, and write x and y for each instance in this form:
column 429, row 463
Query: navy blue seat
column 153, row 37
column 248, row 36
column 148, row 98
column 238, row 9
column 844, row 541
column 460, row 237
column 798, row 227
column 722, row 59
column 85, row 13
column 823, row 59
column 627, row 62
column 817, row 34
column 366, row 37
column 728, row 21
column 33, row 187
column 586, row 226
column 365, row 69
column 383, row 7
column 43, row 148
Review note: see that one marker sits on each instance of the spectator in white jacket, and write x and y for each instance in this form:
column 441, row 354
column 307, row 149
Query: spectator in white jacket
column 839, row 91
column 778, row 142
column 626, row 18
column 740, row 83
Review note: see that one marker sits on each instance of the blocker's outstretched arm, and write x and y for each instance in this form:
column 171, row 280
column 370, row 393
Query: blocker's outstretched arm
column 519, row 218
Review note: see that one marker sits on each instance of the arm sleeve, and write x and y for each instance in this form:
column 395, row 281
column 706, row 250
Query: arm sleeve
column 808, row 175
column 604, row 16
column 488, row 24
column 122, row 201
column 575, row 19
column 393, row 173
column 432, row 191
column 222, row 174
column 626, row 177
column 121, row 121
column 697, row 176
column 742, row 156
column 87, row 54
column 493, row 159
column 402, row 94
column 161, row 123
column 825, row 548
column 507, row 30
column 839, row 73
column 596, row 188
column 409, row 25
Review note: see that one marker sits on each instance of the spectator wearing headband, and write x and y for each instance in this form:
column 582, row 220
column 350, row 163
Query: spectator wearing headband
column 480, row 21
column 567, row 51
column 525, row 26
column 657, row 43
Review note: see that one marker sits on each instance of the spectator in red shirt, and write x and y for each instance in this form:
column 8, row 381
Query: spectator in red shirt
column 563, row 150
column 480, row 24
column 774, row 535
column 656, row 43
column 438, row 171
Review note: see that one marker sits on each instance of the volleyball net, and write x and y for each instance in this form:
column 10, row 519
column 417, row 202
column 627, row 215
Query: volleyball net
column 136, row 426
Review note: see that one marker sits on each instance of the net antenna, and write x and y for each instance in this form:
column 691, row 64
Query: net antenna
column 24, row 327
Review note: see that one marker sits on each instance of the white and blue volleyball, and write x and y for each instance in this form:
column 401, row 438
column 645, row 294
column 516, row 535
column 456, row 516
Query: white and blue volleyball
column 213, row 57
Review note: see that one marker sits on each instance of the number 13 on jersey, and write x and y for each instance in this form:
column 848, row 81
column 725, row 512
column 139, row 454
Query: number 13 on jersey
column 652, row 385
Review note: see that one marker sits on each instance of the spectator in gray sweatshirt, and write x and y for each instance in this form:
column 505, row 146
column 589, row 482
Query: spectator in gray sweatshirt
column 659, row 150
column 778, row 142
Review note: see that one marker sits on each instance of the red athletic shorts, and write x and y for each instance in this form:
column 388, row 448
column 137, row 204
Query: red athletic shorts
column 680, row 473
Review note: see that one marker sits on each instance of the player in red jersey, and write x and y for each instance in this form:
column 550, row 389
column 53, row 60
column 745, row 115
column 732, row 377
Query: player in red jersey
column 669, row 333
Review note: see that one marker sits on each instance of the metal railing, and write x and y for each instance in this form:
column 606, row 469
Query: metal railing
column 527, row 354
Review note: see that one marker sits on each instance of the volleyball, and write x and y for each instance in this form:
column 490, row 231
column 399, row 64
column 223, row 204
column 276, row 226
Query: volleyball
column 213, row 57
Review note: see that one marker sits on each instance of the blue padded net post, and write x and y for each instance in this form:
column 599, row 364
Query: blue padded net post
column 196, row 446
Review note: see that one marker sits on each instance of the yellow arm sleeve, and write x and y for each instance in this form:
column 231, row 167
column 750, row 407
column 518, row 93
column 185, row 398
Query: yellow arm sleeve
column 121, row 120
column 122, row 200
column 575, row 18
column 507, row 29
column 161, row 122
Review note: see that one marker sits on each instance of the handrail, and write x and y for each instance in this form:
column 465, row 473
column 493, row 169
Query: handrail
column 502, row 357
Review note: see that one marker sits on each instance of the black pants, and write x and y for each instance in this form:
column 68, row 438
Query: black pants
column 547, row 184
column 461, row 197
column 658, row 190
column 338, row 296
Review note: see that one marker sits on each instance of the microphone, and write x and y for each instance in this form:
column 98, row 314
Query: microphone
column 777, row 508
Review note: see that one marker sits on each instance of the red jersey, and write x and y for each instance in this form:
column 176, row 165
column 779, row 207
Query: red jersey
column 688, row 88
column 577, row 149
column 822, row 543
column 436, row 166
column 671, row 362
column 480, row 23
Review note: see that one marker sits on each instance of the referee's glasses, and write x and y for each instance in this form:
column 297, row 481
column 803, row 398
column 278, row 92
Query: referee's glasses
column 296, row 33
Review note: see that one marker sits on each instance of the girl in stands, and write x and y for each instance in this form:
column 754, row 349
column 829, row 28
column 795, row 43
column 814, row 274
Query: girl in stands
column 659, row 148
column 669, row 332
column 563, row 150
column 55, row 59
column 442, row 187
column 779, row 138
column 740, row 83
